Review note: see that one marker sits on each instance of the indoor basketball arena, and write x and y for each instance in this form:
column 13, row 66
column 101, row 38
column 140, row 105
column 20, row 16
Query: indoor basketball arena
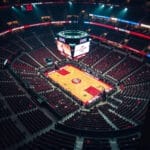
column 74, row 74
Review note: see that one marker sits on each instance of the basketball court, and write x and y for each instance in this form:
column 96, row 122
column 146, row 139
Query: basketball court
column 79, row 83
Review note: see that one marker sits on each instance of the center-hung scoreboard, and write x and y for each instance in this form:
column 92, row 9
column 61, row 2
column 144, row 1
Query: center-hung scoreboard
column 73, row 43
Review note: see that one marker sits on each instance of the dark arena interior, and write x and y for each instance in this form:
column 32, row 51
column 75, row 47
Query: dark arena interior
column 74, row 74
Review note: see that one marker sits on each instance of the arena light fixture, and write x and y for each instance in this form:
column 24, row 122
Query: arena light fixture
column 118, row 19
column 111, row 7
column 145, row 26
column 103, row 6
column 100, row 7
column 122, row 13
column 122, row 20
column 15, row 9
column 125, row 9
column 70, row 3
column 114, row 19
column 34, row 5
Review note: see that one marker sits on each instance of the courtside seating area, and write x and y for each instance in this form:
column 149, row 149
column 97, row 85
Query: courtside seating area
column 109, row 61
column 96, row 144
column 61, row 104
column 35, row 121
column 51, row 140
column 124, row 68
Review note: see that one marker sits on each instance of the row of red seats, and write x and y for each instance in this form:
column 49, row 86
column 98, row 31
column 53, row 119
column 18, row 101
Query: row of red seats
column 109, row 61
column 140, row 76
column 96, row 54
column 91, row 121
column 60, row 103
column 124, row 68
column 35, row 120
column 51, row 140
column 10, row 134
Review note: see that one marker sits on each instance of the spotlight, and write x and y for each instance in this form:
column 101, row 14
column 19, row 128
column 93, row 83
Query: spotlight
column 103, row 6
column 125, row 9
column 70, row 3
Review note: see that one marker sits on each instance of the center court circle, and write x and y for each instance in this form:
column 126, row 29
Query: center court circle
column 76, row 80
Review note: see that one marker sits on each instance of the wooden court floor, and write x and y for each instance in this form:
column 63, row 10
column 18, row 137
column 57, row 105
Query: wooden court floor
column 81, row 84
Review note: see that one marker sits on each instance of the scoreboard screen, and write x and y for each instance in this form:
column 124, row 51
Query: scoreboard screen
column 64, row 49
column 81, row 49
column 73, row 43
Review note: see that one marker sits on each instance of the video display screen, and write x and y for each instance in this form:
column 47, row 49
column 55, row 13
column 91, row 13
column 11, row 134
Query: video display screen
column 81, row 49
column 65, row 49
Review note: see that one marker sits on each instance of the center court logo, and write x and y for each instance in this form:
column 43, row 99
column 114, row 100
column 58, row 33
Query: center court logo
column 76, row 80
